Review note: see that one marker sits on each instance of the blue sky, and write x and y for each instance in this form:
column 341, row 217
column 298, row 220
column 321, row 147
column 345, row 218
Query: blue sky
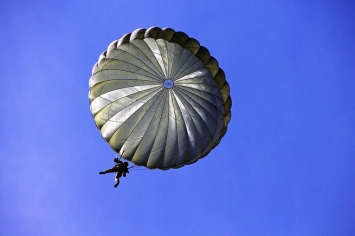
column 285, row 167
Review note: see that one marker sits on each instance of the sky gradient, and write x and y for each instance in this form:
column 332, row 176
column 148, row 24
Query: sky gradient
column 285, row 167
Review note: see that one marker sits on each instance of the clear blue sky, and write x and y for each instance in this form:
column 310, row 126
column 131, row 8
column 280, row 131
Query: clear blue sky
column 285, row 167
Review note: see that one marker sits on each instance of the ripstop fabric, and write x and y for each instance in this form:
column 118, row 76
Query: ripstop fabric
column 159, row 99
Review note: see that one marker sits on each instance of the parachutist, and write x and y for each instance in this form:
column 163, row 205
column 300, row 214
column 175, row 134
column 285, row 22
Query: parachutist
column 120, row 168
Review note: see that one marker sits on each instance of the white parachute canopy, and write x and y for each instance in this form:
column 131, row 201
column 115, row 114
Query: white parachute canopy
column 159, row 98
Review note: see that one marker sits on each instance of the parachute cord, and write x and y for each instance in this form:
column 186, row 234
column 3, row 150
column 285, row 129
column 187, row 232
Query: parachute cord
column 120, row 155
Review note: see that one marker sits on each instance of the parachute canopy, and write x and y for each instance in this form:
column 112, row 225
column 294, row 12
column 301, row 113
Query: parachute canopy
column 159, row 99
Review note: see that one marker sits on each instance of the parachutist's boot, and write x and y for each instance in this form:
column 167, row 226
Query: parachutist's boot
column 116, row 185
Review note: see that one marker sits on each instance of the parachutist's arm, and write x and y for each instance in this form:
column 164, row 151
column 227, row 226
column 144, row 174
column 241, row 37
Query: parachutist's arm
column 125, row 172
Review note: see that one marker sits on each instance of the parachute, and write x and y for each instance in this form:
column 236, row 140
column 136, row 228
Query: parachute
column 159, row 99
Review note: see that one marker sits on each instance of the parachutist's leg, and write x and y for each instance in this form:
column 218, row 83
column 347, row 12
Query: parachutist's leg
column 108, row 171
column 117, row 182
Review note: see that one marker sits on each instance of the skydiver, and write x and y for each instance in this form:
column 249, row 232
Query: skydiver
column 120, row 168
